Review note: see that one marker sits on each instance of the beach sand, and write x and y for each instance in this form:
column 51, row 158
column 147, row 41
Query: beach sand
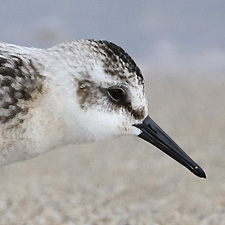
column 127, row 181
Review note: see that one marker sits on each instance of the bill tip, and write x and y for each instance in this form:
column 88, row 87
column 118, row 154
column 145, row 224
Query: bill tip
column 198, row 171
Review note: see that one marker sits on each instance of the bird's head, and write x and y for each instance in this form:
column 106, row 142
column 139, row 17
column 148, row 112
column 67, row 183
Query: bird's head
column 111, row 97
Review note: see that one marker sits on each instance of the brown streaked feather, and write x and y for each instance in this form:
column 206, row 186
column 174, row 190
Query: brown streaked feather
column 19, row 79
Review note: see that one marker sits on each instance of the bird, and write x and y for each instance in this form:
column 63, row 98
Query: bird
column 75, row 92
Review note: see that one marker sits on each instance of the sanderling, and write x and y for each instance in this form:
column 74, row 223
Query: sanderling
column 74, row 92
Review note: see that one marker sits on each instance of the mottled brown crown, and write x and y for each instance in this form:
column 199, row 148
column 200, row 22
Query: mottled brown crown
column 117, row 60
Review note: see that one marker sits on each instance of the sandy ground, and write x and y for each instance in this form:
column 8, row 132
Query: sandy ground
column 126, row 181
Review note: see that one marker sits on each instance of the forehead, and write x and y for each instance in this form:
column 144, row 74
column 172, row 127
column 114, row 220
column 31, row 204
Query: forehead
column 117, row 62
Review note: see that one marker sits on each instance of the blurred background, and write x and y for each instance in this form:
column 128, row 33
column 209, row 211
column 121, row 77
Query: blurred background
column 175, row 35
column 180, row 47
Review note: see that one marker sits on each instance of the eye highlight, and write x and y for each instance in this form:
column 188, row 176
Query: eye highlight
column 116, row 94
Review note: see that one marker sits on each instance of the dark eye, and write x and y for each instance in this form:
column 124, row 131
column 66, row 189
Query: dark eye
column 116, row 94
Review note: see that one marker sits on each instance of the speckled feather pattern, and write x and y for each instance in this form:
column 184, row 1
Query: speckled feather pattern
column 20, row 83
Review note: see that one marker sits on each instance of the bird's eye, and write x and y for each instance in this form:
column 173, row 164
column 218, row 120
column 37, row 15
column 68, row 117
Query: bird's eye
column 116, row 94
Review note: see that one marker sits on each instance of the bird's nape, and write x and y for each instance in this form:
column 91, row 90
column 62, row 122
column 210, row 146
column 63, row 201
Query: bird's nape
column 153, row 134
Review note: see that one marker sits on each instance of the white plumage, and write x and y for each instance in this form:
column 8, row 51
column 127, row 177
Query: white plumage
column 58, row 96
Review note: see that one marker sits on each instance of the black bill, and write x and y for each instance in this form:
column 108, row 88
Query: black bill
column 152, row 133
